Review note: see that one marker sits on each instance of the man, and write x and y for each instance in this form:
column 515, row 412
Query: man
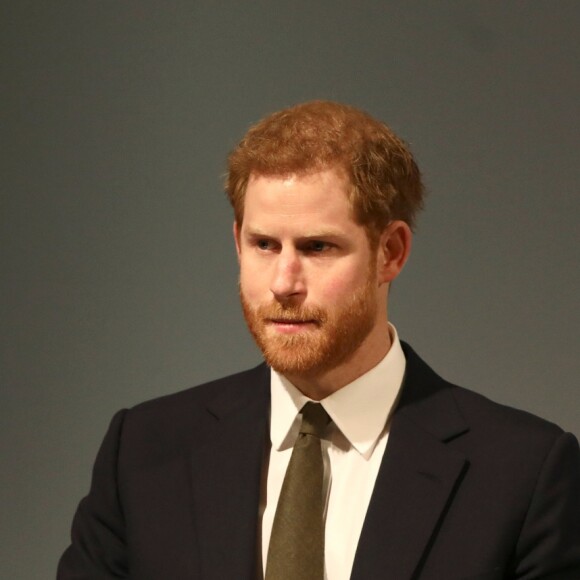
column 345, row 456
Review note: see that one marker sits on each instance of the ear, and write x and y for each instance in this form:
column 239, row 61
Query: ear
column 236, row 231
column 393, row 250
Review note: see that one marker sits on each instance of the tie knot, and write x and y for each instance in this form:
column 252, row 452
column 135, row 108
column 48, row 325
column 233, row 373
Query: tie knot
column 314, row 419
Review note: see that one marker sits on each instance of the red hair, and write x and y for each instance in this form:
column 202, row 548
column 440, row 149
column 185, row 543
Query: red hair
column 384, row 180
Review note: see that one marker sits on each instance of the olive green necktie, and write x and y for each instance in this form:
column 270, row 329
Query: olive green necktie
column 296, row 550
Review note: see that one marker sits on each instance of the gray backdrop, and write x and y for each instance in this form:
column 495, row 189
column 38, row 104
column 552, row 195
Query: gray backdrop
column 118, row 270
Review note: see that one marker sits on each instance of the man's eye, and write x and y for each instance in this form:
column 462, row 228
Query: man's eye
column 263, row 244
column 317, row 246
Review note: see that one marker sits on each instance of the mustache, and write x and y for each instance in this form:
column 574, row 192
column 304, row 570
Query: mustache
column 291, row 313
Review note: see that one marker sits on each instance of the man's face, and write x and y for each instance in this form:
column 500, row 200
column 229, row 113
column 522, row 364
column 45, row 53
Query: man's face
column 308, row 281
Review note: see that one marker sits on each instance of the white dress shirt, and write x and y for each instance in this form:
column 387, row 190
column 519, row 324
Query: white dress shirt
column 352, row 449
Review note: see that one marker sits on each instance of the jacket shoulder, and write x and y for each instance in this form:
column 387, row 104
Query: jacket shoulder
column 232, row 387
column 482, row 412
column 172, row 423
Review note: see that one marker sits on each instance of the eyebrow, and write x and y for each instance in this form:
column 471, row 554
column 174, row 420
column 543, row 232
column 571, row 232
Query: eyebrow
column 314, row 234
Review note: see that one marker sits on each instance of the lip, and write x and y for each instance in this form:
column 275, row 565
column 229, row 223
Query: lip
column 289, row 326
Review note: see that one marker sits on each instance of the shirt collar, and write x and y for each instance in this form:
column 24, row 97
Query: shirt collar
column 360, row 409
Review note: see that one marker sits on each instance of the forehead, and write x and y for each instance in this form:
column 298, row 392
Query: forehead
column 297, row 194
column 301, row 206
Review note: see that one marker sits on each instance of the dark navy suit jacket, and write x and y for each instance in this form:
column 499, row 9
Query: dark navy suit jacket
column 467, row 489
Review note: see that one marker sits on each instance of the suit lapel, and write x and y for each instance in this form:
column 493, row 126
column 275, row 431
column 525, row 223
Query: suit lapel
column 226, row 480
column 417, row 480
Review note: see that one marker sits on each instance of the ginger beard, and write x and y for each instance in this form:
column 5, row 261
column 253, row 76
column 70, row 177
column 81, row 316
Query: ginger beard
column 335, row 335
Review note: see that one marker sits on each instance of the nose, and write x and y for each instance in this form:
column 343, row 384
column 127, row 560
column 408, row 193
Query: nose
column 287, row 276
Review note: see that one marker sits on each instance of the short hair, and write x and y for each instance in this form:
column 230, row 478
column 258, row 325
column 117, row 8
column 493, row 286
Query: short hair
column 384, row 180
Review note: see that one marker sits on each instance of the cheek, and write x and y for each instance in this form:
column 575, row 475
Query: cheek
column 335, row 287
column 342, row 284
column 338, row 288
column 253, row 281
